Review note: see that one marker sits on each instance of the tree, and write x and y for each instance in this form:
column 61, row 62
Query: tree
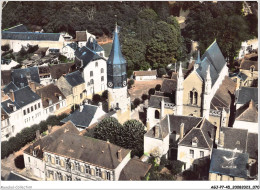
column 130, row 83
column 151, row 91
column 176, row 167
column 145, row 97
column 189, row 175
column 5, row 47
column 104, row 95
column 96, row 99
column 19, row 162
column 137, row 101
column 158, row 87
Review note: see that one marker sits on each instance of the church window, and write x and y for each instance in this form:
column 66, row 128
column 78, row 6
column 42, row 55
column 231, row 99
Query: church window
column 157, row 114
column 191, row 97
column 91, row 73
column 102, row 70
column 102, row 78
column 195, row 98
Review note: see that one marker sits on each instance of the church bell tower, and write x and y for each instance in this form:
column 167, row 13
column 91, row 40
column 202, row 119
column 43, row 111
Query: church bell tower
column 117, row 77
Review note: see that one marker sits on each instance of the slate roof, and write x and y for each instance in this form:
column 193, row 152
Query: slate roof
column 17, row 28
column 36, row 36
column 16, row 177
column 73, row 46
column 163, row 130
column 87, row 55
column 49, row 92
column 10, row 86
column 203, row 133
column 20, row 76
column 248, row 112
column 41, row 143
column 84, row 118
column 245, row 94
column 242, row 76
column 134, row 170
column 58, row 70
column 6, row 77
column 246, row 64
column 81, row 36
column 252, row 145
column 169, row 85
column 23, row 97
column 222, row 98
column 93, row 45
column 215, row 59
column 155, row 101
column 220, row 165
column 145, row 73
column 41, row 50
column 87, row 149
column 235, row 138
column 75, row 78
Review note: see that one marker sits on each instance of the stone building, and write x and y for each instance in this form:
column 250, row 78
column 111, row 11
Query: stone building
column 145, row 75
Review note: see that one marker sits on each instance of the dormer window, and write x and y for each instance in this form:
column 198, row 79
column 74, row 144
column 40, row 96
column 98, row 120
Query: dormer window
column 195, row 142
column 50, row 101
column 193, row 96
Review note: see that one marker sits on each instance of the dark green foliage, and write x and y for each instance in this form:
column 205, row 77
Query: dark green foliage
column 5, row 149
column 104, row 95
column 175, row 166
column 129, row 136
column 19, row 162
column 161, row 72
column 32, row 49
column 158, row 87
column 5, row 47
column 145, row 97
column 53, row 120
column 43, row 126
column 22, row 52
column 130, row 83
column 189, row 175
column 137, row 102
column 62, row 58
column 151, row 91
column 96, row 99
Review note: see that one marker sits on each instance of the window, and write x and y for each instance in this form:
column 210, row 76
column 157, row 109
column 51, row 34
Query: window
column 192, row 153
column 87, row 169
column 98, row 172
column 191, row 97
column 32, row 109
column 39, row 105
column 69, row 178
column 35, row 107
column 157, row 114
column 108, row 176
column 24, row 112
column 29, row 159
column 96, row 64
column 57, row 160
column 51, row 109
column 195, row 98
column 77, row 168
column 102, row 70
column 28, row 110
column 49, row 158
column 91, row 81
column 102, row 78
column 201, row 154
column 81, row 95
column 91, row 73
column 59, row 176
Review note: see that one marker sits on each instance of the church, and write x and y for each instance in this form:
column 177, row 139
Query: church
column 205, row 91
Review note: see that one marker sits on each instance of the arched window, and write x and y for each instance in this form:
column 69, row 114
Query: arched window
column 102, row 78
column 191, row 97
column 195, row 98
column 91, row 73
column 102, row 70
column 157, row 114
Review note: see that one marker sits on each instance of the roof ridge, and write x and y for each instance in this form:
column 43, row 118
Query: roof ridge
column 203, row 133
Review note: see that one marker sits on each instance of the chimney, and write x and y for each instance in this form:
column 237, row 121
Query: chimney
column 119, row 155
column 49, row 129
column 38, row 136
column 221, row 138
column 32, row 86
column 81, row 108
column 251, row 104
column 162, row 108
column 156, row 131
column 11, row 95
column 181, row 131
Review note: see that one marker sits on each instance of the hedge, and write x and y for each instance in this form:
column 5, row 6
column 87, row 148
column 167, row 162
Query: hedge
column 27, row 135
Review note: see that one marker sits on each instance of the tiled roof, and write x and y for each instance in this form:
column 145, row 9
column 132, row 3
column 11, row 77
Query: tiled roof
column 17, row 28
column 20, row 76
column 41, row 143
column 221, row 163
column 86, row 149
column 235, row 138
column 252, row 145
column 169, row 85
column 10, row 86
column 58, row 70
column 248, row 61
column 155, row 101
column 248, row 112
column 245, row 94
column 49, row 92
column 75, row 78
column 135, row 169
column 30, row 36
column 82, row 118
column 145, row 73
column 6, row 77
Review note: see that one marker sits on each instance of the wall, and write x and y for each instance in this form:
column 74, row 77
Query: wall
column 118, row 95
column 77, row 90
column 141, row 78
column 219, row 177
column 152, row 145
column 99, row 86
column 121, row 166
column 68, row 52
column 250, row 126
column 35, row 166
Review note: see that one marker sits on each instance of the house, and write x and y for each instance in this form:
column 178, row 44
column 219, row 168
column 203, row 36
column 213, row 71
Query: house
column 45, row 75
column 5, row 125
column 24, row 108
column 228, row 166
column 72, row 85
column 85, row 116
column 247, row 47
column 90, row 60
column 69, row 50
column 9, row 66
column 33, row 155
column 61, row 69
column 134, row 170
column 145, row 75
column 247, row 117
column 6, row 77
column 53, row 101
column 82, row 38
column 245, row 95
column 77, row 158
column 17, row 40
